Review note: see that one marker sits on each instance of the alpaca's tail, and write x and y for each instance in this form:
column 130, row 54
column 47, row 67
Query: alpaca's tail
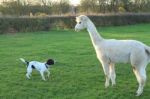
column 147, row 50
column 24, row 61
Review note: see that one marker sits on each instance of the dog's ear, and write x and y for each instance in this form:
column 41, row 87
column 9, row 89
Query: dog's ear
column 50, row 62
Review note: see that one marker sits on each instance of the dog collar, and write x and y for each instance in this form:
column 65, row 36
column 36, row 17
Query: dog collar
column 46, row 65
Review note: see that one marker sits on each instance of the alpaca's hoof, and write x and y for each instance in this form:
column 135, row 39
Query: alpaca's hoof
column 139, row 92
column 114, row 84
column 44, row 79
column 106, row 85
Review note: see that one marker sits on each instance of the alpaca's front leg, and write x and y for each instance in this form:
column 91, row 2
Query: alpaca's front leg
column 106, row 72
column 112, row 73
column 107, row 81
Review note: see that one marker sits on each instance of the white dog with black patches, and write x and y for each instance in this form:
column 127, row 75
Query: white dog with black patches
column 39, row 66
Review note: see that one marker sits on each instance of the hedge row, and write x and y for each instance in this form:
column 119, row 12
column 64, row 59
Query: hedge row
column 120, row 19
column 30, row 24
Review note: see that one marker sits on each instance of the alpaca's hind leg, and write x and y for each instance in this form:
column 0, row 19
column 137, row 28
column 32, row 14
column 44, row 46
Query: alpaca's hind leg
column 106, row 72
column 112, row 73
column 141, row 77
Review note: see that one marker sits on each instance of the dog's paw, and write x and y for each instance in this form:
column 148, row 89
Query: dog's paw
column 44, row 79
column 28, row 77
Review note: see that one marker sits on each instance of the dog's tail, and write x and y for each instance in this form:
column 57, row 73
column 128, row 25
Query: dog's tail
column 24, row 61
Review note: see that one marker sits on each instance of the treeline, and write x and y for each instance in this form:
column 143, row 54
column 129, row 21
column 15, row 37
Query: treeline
column 26, row 8
column 60, row 7
column 106, row 6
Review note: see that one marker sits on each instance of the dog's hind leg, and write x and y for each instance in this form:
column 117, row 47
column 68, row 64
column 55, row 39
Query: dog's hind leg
column 42, row 75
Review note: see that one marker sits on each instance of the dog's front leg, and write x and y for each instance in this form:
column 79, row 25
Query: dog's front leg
column 48, row 73
column 28, row 75
column 42, row 75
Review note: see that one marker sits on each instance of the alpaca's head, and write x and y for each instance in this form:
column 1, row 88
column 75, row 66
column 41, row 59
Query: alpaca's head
column 81, row 22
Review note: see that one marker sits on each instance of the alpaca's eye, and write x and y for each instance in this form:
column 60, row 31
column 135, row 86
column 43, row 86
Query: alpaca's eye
column 79, row 22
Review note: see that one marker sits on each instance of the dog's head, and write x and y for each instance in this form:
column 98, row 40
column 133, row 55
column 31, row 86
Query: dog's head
column 50, row 62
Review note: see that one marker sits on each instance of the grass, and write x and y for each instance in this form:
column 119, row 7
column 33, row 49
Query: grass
column 77, row 73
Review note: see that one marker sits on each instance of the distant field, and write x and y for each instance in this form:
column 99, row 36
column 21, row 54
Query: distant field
column 77, row 73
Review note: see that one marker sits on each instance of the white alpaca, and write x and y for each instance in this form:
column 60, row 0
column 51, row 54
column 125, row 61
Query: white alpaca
column 111, row 51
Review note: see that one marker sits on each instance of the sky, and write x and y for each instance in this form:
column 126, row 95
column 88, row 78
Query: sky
column 72, row 2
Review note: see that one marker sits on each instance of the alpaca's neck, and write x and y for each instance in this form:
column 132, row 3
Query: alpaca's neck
column 94, row 35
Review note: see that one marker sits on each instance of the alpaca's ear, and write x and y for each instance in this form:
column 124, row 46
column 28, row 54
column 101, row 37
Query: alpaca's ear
column 77, row 18
column 81, row 18
column 84, row 18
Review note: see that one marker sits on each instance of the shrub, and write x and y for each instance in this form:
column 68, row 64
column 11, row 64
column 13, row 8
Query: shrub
column 121, row 9
column 39, row 14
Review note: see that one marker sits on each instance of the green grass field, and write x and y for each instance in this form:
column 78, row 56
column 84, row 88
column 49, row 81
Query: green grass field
column 77, row 73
